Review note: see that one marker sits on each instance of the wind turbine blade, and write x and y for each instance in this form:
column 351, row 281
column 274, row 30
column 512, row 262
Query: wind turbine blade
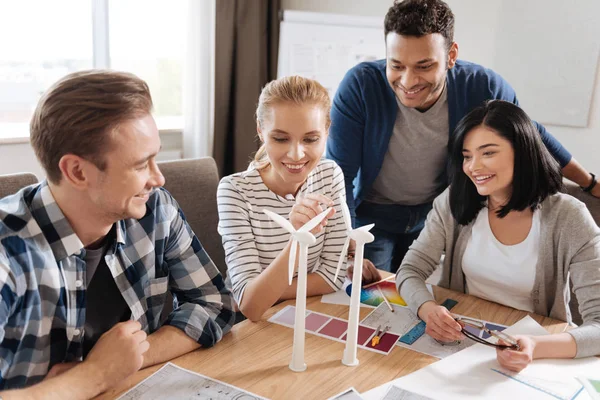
column 292, row 261
column 284, row 223
column 342, row 258
column 346, row 214
column 366, row 228
column 310, row 225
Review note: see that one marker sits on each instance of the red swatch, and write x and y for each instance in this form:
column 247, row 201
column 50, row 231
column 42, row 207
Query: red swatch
column 364, row 333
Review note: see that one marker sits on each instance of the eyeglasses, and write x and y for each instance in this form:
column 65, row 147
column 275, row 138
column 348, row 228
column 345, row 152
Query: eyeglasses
column 512, row 342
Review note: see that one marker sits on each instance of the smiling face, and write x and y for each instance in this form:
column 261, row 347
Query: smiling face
column 122, row 189
column 488, row 160
column 416, row 67
column 294, row 137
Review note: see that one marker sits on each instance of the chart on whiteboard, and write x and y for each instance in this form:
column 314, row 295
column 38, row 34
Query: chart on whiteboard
column 325, row 46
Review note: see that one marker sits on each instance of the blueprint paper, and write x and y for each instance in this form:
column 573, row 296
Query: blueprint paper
column 173, row 382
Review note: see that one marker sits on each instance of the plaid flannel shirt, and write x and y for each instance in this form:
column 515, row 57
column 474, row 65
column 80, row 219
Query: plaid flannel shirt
column 42, row 281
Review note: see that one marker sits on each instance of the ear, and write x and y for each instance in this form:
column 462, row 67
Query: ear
column 259, row 132
column 75, row 170
column 452, row 55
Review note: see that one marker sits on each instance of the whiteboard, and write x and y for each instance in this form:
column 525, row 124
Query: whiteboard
column 546, row 49
column 325, row 46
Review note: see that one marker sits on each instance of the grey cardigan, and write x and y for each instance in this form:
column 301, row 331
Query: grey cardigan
column 569, row 249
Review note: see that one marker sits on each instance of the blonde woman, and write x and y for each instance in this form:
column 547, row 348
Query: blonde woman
column 290, row 177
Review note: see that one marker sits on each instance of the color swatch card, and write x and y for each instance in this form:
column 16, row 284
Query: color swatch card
column 335, row 329
column 373, row 295
column 402, row 321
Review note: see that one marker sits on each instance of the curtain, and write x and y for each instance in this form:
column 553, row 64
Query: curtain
column 247, row 37
column 198, row 79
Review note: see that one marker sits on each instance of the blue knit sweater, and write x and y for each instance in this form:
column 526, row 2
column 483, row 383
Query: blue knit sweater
column 364, row 112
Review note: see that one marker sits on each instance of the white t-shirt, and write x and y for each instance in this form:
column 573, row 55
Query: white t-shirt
column 500, row 273
column 252, row 241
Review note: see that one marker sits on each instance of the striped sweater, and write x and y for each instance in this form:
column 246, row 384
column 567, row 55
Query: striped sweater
column 252, row 241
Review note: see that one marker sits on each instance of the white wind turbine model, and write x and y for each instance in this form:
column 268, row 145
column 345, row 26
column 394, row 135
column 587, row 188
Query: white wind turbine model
column 360, row 236
column 303, row 237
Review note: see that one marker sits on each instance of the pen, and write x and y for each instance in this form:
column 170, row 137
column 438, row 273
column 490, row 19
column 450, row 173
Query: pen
column 385, row 299
column 383, row 280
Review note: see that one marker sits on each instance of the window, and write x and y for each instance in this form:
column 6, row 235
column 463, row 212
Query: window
column 147, row 37
column 45, row 40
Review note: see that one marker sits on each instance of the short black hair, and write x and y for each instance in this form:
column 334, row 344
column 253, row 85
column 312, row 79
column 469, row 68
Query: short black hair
column 419, row 18
column 536, row 174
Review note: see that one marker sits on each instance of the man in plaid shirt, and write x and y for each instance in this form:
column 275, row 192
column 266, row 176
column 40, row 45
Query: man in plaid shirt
column 87, row 256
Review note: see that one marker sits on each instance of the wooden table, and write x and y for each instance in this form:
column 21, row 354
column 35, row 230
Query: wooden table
column 255, row 356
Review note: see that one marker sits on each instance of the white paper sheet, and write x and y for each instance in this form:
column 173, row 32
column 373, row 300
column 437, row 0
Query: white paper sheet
column 348, row 394
column 592, row 386
column 474, row 373
column 396, row 393
column 173, row 382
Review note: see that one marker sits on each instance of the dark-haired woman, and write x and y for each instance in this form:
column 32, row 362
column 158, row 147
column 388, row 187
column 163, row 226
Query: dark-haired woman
column 508, row 236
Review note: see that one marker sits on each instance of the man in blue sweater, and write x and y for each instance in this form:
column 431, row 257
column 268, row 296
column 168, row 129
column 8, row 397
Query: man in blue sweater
column 391, row 120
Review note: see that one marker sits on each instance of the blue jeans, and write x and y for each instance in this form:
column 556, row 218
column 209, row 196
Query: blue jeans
column 396, row 227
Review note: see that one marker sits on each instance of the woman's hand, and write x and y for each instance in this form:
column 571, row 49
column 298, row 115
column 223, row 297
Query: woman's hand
column 308, row 207
column 440, row 323
column 517, row 360
column 370, row 273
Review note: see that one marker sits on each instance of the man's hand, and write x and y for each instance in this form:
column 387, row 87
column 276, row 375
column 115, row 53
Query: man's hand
column 119, row 352
column 370, row 273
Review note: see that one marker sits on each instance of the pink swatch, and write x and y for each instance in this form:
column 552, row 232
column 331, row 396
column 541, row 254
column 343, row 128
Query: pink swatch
column 334, row 328
column 287, row 317
column 315, row 321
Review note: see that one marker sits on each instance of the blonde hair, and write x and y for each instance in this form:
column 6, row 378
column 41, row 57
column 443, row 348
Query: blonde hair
column 290, row 89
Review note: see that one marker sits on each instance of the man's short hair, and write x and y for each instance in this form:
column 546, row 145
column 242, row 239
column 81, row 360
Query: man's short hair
column 79, row 113
column 419, row 18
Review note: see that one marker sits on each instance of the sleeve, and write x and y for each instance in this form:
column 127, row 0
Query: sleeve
column 344, row 145
column 584, row 270
column 8, row 295
column 501, row 90
column 424, row 255
column 205, row 311
column 335, row 234
column 235, row 228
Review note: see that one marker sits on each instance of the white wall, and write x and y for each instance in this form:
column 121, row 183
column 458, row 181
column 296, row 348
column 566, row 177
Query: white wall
column 476, row 20
column 19, row 157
